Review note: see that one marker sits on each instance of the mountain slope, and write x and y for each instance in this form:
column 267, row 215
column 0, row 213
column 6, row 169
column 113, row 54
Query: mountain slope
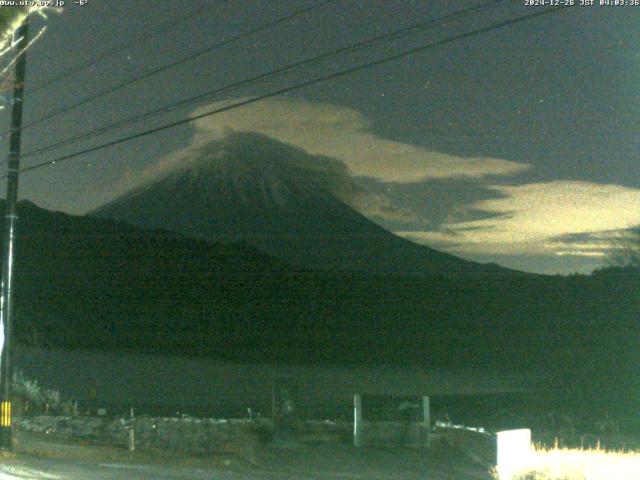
column 83, row 282
column 285, row 202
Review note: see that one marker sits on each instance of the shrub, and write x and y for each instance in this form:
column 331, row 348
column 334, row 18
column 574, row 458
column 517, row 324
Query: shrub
column 36, row 398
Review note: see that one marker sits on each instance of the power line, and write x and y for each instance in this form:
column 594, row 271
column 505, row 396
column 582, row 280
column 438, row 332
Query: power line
column 298, row 86
column 269, row 75
column 199, row 53
column 121, row 48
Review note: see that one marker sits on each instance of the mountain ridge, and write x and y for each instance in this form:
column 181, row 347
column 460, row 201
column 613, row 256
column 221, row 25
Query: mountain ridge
column 283, row 201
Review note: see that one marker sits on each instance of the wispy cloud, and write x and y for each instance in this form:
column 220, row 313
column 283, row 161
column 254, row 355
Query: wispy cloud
column 345, row 134
column 553, row 218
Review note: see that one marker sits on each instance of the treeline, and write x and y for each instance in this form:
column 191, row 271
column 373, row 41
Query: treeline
column 89, row 283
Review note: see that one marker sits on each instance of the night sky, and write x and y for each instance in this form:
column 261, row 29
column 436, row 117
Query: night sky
column 519, row 146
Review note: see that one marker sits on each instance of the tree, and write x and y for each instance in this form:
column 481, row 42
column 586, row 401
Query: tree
column 625, row 249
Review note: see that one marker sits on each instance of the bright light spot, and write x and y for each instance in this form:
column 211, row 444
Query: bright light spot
column 514, row 450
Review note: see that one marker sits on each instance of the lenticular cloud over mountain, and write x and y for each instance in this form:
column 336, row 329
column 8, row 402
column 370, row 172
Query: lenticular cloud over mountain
column 276, row 197
column 346, row 134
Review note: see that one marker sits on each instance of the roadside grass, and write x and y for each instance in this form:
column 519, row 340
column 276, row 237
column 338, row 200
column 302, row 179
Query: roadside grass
column 579, row 464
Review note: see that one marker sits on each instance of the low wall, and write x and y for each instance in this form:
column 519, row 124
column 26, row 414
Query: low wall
column 192, row 435
column 202, row 436
column 241, row 437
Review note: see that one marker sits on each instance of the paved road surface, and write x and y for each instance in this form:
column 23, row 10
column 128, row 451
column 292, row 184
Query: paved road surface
column 302, row 463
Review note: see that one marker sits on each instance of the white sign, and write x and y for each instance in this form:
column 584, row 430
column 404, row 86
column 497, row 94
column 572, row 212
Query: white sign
column 514, row 450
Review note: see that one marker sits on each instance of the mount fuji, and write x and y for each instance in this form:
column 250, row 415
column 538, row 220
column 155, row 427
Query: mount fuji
column 284, row 201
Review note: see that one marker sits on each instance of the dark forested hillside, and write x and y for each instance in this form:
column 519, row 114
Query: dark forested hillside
column 90, row 283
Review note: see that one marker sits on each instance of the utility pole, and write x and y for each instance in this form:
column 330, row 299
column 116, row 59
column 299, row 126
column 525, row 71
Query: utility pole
column 8, row 247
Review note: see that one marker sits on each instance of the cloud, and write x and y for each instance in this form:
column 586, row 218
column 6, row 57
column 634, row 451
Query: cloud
column 589, row 244
column 345, row 134
column 330, row 131
column 327, row 172
column 553, row 218
column 375, row 206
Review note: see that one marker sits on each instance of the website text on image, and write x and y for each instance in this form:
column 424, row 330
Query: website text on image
column 33, row 3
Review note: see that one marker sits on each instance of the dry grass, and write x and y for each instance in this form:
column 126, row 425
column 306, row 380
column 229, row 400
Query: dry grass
column 577, row 464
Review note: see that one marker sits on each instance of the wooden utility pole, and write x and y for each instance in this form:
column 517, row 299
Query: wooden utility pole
column 8, row 243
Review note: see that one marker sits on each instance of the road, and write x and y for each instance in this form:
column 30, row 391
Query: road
column 304, row 463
